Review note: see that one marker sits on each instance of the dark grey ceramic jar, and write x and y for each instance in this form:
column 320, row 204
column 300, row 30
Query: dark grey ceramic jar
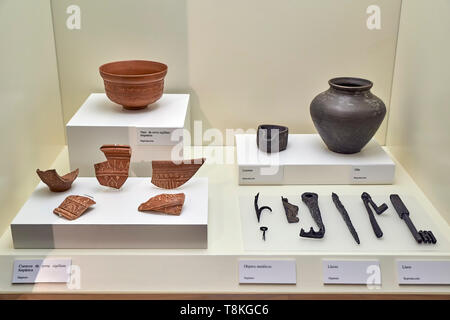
column 347, row 115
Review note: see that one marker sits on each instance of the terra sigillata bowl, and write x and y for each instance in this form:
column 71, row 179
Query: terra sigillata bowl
column 134, row 84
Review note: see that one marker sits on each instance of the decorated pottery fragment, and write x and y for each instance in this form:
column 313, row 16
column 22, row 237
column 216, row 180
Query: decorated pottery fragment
column 166, row 203
column 170, row 175
column 73, row 207
column 55, row 182
column 113, row 172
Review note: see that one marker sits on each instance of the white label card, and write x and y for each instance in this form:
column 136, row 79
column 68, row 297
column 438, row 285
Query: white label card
column 423, row 272
column 42, row 271
column 158, row 137
column 372, row 173
column 268, row 271
column 360, row 174
column 351, row 272
column 261, row 174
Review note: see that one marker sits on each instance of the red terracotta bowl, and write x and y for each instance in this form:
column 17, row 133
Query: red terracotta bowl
column 135, row 83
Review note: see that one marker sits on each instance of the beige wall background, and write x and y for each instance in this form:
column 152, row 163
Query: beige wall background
column 31, row 121
column 419, row 124
column 244, row 62
column 118, row 30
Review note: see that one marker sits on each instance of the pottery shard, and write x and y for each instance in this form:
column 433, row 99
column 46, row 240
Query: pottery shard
column 113, row 172
column 165, row 203
column 170, row 175
column 55, row 182
column 73, row 207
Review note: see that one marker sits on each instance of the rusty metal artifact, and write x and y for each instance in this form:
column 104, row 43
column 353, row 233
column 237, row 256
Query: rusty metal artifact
column 73, row 207
column 366, row 198
column 264, row 230
column 113, row 172
column 166, row 203
column 312, row 202
column 340, row 207
column 290, row 210
column 171, row 175
column 55, row 182
column 259, row 210
column 403, row 213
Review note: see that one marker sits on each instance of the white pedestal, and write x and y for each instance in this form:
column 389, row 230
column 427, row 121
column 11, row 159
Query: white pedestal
column 152, row 133
column 308, row 161
column 114, row 221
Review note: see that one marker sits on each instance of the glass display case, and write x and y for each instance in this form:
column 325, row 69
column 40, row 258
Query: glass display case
column 225, row 148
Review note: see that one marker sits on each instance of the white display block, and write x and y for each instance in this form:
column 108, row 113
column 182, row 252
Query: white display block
column 152, row 133
column 308, row 161
column 114, row 221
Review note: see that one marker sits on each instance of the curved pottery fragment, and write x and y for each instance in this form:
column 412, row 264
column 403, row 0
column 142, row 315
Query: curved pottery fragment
column 73, row 207
column 113, row 172
column 165, row 203
column 55, row 182
column 170, row 175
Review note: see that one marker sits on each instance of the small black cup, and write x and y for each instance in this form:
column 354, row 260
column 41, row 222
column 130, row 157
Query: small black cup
column 272, row 138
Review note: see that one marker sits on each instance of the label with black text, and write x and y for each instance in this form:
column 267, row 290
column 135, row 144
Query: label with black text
column 41, row 271
column 261, row 174
column 157, row 137
column 268, row 271
column 363, row 174
column 423, row 272
column 351, row 272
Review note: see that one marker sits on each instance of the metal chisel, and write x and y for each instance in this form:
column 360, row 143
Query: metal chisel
column 345, row 216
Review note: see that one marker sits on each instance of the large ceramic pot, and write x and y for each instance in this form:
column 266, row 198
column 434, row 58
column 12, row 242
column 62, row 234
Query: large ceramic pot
column 347, row 115
column 134, row 84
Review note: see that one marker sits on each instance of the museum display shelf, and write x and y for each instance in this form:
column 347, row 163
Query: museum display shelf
column 114, row 220
column 215, row 270
column 149, row 132
column 307, row 160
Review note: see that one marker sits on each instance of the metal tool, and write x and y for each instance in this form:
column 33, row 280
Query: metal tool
column 378, row 209
column 403, row 213
column 345, row 216
column 291, row 210
column 311, row 201
column 427, row 237
column 259, row 210
column 264, row 229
